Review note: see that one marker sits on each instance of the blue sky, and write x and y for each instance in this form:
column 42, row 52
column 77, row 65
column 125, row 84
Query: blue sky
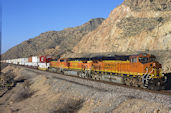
column 25, row 19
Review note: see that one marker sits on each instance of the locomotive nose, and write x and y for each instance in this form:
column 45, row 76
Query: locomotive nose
column 156, row 65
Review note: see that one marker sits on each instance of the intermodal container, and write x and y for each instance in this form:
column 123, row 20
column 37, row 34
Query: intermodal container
column 30, row 59
column 35, row 59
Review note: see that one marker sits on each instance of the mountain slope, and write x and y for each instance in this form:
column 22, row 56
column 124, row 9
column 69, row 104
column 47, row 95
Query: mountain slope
column 52, row 42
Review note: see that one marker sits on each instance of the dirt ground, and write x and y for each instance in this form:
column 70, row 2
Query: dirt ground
column 37, row 92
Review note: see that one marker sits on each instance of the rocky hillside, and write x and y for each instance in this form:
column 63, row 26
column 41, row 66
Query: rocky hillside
column 135, row 25
column 53, row 42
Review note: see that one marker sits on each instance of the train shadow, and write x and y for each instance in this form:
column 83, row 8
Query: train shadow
column 168, row 83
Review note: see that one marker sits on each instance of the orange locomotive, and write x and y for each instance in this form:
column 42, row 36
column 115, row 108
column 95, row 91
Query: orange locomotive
column 137, row 70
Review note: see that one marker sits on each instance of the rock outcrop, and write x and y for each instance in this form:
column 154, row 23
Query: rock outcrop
column 148, row 5
column 134, row 26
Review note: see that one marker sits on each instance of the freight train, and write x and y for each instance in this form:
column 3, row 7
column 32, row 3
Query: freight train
column 141, row 70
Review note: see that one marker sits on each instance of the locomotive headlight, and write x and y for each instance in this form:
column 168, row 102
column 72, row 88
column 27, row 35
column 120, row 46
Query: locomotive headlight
column 154, row 64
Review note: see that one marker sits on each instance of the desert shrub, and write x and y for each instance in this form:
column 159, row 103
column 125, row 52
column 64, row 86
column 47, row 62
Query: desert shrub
column 25, row 92
column 71, row 107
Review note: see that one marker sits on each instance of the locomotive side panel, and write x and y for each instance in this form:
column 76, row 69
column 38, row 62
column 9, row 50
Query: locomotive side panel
column 117, row 67
column 75, row 65
column 97, row 66
column 63, row 64
column 54, row 64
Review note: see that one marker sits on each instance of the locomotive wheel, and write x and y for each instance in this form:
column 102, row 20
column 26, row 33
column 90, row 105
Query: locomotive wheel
column 127, row 82
column 84, row 75
column 131, row 81
column 151, row 87
column 80, row 74
column 139, row 82
column 135, row 81
column 97, row 77
column 62, row 72
column 94, row 77
column 154, row 85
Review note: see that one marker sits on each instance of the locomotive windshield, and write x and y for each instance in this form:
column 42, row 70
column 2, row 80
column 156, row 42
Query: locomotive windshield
column 151, row 59
column 144, row 60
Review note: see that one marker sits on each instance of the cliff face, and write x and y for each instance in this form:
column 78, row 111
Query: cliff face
column 156, row 5
column 52, row 42
column 136, row 25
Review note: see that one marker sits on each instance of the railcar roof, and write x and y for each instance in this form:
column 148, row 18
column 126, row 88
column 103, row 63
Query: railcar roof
column 116, row 57
column 78, row 59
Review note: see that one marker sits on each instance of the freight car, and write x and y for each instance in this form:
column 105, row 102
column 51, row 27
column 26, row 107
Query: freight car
column 140, row 70
column 40, row 62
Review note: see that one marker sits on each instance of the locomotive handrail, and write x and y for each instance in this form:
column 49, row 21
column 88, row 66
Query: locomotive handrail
column 151, row 71
column 146, row 76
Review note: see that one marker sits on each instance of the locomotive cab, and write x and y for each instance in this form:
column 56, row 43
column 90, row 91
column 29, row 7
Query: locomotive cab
column 151, row 69
column 149, row 64
column 142, row 58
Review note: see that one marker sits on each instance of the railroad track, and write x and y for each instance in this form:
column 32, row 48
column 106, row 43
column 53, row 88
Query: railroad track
column 163, row 92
